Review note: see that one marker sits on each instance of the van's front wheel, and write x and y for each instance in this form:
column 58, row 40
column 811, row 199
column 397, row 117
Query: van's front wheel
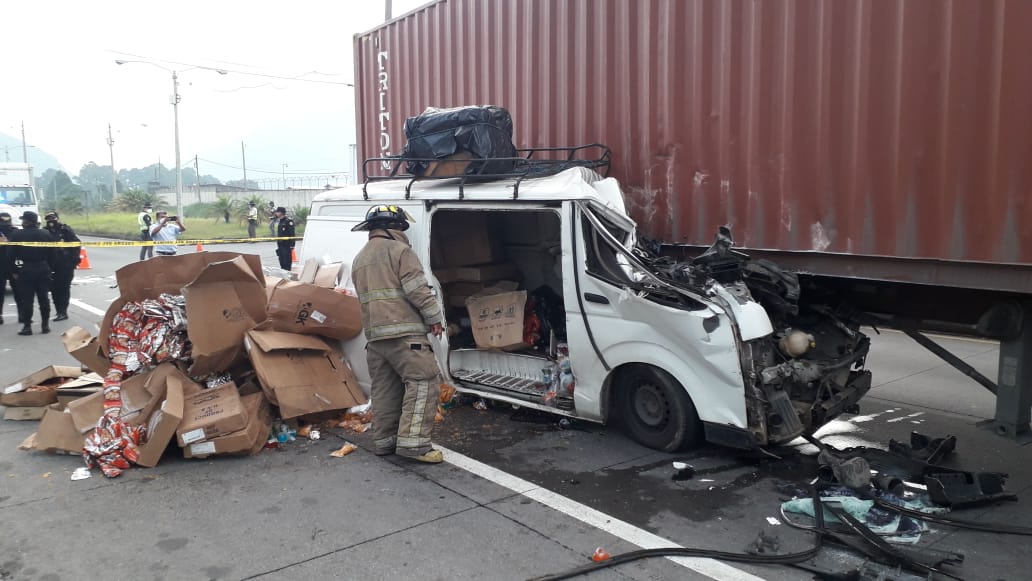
column 655, row 410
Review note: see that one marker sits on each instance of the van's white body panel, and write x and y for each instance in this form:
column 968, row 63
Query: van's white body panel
column 628, row 329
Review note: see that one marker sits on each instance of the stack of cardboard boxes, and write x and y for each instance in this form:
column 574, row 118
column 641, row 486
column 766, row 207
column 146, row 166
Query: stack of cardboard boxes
column 477, row 282
column 272, row 348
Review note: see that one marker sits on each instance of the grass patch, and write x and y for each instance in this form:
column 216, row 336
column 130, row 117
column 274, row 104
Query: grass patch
column 123, row 226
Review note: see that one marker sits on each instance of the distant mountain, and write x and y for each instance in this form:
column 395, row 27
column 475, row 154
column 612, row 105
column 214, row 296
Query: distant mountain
column 11, row 150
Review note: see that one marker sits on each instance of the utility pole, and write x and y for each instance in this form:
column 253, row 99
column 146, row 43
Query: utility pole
column 243, row 160
column 114, row 176
column 283, row 175
column 24, row 149
column 197, row 178
column 386, row 10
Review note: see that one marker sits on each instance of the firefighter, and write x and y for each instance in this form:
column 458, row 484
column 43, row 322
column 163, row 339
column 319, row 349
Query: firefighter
column 66, row 258
column 398, row 309
column 284, row 230
column 32, row 267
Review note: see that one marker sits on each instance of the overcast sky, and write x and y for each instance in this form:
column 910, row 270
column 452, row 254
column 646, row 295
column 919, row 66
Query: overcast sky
column 60, row 79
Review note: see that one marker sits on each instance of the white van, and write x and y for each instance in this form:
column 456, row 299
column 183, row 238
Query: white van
column 678, row 351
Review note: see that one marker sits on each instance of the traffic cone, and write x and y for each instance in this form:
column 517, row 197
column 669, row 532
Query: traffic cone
column 199, row 247
column 293, row 255
column 84, row 260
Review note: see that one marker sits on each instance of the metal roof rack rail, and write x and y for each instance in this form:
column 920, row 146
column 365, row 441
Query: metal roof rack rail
column 531, row 163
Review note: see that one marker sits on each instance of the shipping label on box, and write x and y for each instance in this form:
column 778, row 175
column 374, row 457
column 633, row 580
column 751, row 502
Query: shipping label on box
column 250, row 440
column 296, row 307
column 497, row 320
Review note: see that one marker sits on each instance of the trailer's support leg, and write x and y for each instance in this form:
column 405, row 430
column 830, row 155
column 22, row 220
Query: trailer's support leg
column 952, row 359
column 1014, row 393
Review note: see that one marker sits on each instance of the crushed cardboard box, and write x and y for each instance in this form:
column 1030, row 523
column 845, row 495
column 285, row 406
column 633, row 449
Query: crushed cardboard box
column 222, row 303
column 85, row 348
column 302, row 374
column 148, row 279
column 211, row 413
column 497, row 319
column 25, row 413
column 249, row 440
column 163, row 422
column 297, row 307
column 57, row 432
column 40, row 388
column 462, row 240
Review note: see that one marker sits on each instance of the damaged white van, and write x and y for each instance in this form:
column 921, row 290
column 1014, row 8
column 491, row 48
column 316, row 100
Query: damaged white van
column 719, row 348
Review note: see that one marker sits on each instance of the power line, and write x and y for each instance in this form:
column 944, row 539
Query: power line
column 278, row 172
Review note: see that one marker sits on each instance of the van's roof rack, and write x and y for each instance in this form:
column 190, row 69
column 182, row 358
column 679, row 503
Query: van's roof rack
column 528, row 164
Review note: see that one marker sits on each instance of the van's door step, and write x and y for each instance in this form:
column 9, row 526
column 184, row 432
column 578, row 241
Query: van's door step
column 506, row 382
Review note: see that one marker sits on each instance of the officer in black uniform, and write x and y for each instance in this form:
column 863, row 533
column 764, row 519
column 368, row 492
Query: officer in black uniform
column 6, row 228
column 285, row 229
column 32, row 267
column 65, row 260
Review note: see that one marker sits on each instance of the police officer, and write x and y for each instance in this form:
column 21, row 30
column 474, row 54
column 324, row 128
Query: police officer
column 284, row 230
column 6, row 228
column 32, row 267
column 66, row 258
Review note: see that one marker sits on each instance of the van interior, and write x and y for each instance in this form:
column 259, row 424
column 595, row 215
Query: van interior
column 501, row 277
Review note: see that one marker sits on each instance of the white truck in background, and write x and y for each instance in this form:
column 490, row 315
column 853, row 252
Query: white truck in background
column 17, row 189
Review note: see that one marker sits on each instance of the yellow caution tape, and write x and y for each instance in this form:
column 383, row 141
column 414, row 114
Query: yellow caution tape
column 113, row 243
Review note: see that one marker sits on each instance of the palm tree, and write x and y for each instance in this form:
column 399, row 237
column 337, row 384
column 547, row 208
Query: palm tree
column 222, row 207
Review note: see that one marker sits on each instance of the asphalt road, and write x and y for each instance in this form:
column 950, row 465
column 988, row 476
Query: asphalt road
column 518, row 497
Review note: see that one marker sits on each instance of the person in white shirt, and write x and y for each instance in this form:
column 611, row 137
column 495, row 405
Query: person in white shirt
column 167, row 229
column 252, row 220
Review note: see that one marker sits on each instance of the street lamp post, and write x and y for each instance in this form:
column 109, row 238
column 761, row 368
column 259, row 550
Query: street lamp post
column 175, row 112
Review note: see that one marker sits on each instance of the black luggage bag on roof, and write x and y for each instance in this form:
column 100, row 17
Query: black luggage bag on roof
column 485, row 132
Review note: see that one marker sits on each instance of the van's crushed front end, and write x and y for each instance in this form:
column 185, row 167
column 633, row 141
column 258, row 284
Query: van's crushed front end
column 810, row 368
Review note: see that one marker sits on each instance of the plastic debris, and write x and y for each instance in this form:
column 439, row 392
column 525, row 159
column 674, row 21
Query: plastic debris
column 314, row 435
column 480, row 404
column 47, row 474
column 685, row 471
column 344, row 450
column 81, row 473
column 773, row 521
column 600, row 555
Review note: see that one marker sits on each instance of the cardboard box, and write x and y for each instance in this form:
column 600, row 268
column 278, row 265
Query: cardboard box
column 461, row 239
column 458, row 293
column 163, row 422
column 483, row 273
column 86, row 411
column 25, row 414
column 250, row 440
column 85, row 348
column 222, row 303
column 57, row 432
column 211, row 413
column 328, row 275
column 306, row 309
column 302, row 374
column 147, row 279
column 21, row 394
column 448, row 167
column 497, row 319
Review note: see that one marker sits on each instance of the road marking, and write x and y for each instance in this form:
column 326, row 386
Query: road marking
column 86, row 307
column 600, row 520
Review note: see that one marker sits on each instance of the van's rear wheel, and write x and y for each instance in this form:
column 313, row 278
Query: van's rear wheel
column 655, row 409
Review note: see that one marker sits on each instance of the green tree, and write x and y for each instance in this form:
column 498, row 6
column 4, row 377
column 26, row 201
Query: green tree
column 244, row 206
column 134, row 201
column 223, row 207
column 300, row 214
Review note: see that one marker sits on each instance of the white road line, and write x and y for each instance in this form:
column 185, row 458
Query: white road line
column 87, row 308
column 600, row 520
